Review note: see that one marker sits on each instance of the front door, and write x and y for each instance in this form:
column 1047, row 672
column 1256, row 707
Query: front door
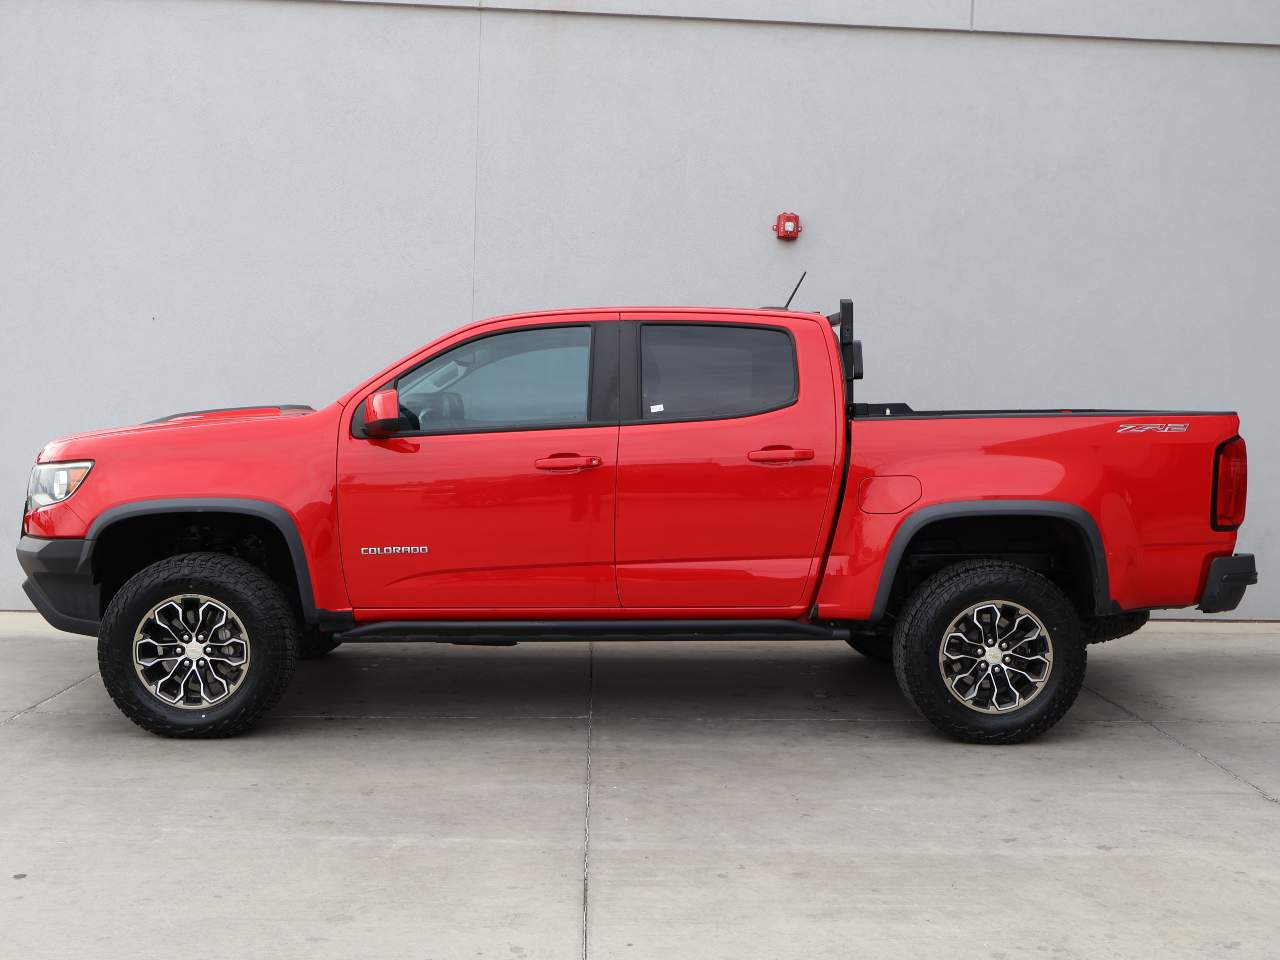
column 499, row 492
column 726, row 460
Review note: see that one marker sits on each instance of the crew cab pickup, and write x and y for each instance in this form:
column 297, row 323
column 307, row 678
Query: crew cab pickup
column 632, row 473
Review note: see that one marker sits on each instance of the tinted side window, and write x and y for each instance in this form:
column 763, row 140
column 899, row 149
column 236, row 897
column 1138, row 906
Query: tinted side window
column 703, row 372
column 521, row 379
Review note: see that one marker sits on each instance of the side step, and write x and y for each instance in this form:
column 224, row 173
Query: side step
column 507, row 632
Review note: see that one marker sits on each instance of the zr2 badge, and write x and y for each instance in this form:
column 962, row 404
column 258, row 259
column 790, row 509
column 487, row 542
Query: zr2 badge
column 1152, row 428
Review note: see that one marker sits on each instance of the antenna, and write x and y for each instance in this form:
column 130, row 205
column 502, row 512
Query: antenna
column 793, row 292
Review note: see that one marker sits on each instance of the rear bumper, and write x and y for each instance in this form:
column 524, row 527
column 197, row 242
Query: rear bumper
column 60, row 582
column 1229, row 577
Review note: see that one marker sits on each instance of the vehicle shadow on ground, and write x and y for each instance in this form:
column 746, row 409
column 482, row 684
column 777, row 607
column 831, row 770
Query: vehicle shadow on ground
column 652, row 679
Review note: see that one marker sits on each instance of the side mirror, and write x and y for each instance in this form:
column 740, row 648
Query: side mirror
column 382, row 413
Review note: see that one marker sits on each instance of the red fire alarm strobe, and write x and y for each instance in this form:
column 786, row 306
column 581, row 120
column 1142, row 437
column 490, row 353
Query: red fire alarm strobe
column 787, row 226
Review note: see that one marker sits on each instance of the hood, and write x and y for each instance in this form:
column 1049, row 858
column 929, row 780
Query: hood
column 275, row 454
column 192, row 418
column 231, row 413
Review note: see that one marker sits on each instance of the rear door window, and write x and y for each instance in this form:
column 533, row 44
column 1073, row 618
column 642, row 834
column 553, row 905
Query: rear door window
column 714, row 371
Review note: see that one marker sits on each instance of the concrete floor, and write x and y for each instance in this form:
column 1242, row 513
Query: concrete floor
column 643, row 801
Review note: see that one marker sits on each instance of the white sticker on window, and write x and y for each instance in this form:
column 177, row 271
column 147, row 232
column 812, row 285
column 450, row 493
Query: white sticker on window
column 655, row 408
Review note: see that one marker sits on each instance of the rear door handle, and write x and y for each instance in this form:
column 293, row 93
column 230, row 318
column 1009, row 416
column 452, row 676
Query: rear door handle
column 779, row 454
column 566, row 461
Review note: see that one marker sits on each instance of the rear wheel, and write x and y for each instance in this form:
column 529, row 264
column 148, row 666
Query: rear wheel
column 990, row 652
column 197, row 645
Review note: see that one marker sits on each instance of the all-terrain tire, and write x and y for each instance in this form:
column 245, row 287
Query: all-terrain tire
column 923, row 628
column 258, row 603
column 314, row 643
column 1114, row 626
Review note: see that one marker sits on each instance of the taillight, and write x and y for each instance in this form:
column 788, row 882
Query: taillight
column 1230, row 484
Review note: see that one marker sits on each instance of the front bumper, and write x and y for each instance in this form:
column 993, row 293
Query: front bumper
column 60, row 582
column 1228, row 579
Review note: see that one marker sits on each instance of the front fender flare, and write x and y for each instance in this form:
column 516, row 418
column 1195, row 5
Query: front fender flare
column 275, row 514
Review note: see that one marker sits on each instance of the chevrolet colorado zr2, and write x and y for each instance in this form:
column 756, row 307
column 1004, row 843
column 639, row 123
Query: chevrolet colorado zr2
column 632, row 473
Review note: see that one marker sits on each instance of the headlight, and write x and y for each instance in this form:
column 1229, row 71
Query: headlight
column 52, row 482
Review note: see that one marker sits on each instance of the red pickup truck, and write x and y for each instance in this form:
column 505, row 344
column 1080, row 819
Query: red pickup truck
column 632, row 473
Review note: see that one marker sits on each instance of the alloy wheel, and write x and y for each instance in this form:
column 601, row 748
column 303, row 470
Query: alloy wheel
column 996, row 656
column 191, row 651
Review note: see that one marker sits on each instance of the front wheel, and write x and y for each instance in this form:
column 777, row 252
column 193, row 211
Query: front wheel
column 197, row 645
column 990, row 652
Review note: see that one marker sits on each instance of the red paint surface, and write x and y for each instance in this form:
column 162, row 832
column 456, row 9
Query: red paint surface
column 1148, row 493
column 888, row 494
column 676, row 519
column 702, row 524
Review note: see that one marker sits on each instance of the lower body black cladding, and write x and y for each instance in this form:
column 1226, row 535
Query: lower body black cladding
column 60, row 583
column 1227, row 581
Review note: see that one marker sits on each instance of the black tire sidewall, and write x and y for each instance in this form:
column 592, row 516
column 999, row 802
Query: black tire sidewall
column 254, row 599
column 946, row 596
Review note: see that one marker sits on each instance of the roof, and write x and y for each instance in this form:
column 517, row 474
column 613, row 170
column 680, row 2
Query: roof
column 665, row 310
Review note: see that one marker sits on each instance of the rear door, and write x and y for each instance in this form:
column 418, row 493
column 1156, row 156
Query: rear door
column 499, row 494
column 726, row 460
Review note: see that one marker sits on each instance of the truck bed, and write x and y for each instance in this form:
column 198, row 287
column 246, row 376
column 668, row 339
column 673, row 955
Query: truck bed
column 1138, row 484
column 880, row 411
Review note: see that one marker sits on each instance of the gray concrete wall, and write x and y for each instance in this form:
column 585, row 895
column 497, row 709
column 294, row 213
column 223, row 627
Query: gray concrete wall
column 216, row 202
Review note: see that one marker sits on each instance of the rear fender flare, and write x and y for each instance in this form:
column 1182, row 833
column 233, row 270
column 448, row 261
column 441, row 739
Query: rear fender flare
column 1080, row 518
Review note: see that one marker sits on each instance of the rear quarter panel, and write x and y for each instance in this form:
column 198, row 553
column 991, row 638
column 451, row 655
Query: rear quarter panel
column 1148, row 492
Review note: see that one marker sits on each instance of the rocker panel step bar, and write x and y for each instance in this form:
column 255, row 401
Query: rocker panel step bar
column 503, row 632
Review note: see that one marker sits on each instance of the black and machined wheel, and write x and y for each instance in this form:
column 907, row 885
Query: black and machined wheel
column 990, row 652
column 197, row 645
column 314, row 643
column 873, row 643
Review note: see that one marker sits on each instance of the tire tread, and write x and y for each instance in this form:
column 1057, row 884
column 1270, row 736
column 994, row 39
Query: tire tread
column 235, row 573
column 945, row 587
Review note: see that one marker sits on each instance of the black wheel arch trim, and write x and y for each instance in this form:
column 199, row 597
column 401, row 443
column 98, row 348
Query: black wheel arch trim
column 275, row 514
column 1080, row 518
